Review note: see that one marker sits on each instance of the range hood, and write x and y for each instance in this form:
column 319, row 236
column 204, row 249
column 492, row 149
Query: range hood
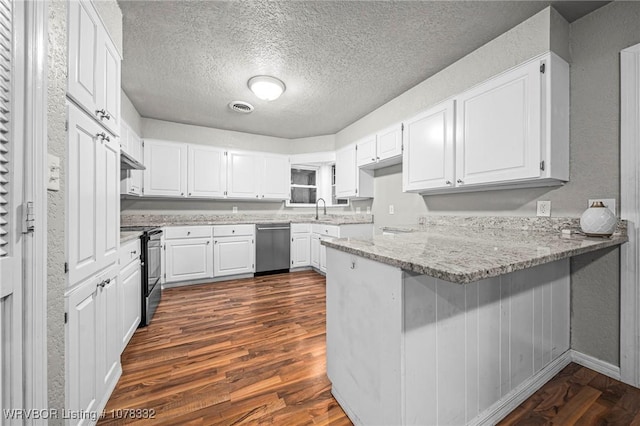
column 127, row 162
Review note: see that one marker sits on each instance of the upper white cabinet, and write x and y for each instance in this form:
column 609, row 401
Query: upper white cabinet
column 206, row 171
column 351, row 181
column 275, row 173
column 130, row 142
column 166, row 168
column 510, row 131
column 241, row 174
column 428, row 158
column 93, row 165
column 382, row 149
column 93, row 65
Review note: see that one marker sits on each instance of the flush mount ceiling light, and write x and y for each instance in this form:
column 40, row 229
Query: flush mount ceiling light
column 266, row 87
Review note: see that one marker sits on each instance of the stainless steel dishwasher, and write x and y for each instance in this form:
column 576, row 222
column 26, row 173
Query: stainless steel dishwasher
column 273, row 246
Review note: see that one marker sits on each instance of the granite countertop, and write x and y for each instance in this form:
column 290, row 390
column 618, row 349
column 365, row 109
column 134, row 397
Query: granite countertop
column 126, row 236
column 464, row 254
column 239, row 218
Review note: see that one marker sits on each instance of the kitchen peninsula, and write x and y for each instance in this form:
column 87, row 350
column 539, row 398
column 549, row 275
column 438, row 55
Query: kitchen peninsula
column 453, row 322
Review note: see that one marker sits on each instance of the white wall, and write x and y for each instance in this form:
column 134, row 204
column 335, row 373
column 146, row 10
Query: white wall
column 130, row 114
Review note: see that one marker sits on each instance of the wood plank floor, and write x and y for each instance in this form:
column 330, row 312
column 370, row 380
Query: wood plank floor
column 579, row 396
column 234, row 352
column 253, row 352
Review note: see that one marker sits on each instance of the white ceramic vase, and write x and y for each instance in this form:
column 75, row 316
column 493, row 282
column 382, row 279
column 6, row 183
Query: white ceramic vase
column 598, row 221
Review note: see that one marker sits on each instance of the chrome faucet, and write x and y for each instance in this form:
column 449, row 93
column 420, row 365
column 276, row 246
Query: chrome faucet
column 325, row 207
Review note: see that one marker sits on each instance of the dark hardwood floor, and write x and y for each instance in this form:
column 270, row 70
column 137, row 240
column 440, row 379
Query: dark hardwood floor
column 242, row 351
column 253, row 352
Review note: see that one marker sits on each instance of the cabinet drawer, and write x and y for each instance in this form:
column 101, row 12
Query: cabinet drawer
column 129, row 252
column 300, row 228
column 233, row 230
column 327, row 230
column 176, row 232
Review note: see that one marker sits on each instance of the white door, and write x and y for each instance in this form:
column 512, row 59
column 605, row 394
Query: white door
column 109, row 345
column 166, row 169
column 389, row 142
column 315, row 251
column 498, row 128
column 188, row 259
column 207, row 172
column 242, row 180
column 233, row 255
column 300, row 250
column 81, row 355
column 129, row 302
column 275, row 180
column 109, row 95
column 428, row 158
column 84, row 32
column 366, row 151
column 346, row 172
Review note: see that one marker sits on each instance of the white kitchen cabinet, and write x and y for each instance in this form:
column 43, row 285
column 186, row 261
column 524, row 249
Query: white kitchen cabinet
column 241, row 174
column 274, row 177
column 515, row 127
column 428, row 157
column 92, row 343
column 320, row 232
column 93, row 65
column 300, row 245
column 351, row 181
column 131, row 143
column 315, row 251
column 206, row 171
column 188, row 259
column 233, row 250
column 382, row 149
column 93, row 204
column 166, row 168
column 129, row 291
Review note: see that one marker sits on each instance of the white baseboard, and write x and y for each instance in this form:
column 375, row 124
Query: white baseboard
column 517, row 396
column 595, row 364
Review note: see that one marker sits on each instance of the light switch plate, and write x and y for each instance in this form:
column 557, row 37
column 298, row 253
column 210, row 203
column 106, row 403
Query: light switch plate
column 609, row 202
column 391, row 209
column 235, row 209
column 53, row 184
column 368, row 209
column 543, row 208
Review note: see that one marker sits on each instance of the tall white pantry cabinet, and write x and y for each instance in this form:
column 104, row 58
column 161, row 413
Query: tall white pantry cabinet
column 92, row 337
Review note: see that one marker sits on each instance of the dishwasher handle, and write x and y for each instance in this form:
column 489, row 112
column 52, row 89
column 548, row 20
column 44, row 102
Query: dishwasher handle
column 282, row 228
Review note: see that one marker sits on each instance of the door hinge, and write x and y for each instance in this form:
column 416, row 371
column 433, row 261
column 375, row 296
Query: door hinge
column 165, row 275
column 356, row 190
column 66, row 126
column 66, row 267
column 226, row 153
column 143, row 190
column 292, row 240
column 143, row 143
column 164, row 247
column 66, row 317
column 28, row 225
column 542, row 67
column 542, row 165
column 402, row 127
column 356, row 147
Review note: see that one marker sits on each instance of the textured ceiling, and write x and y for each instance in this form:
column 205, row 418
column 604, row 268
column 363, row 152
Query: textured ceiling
column 184, row 61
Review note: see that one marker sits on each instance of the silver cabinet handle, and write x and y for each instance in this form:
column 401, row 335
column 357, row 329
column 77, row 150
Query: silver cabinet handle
column 459, row 181
column 257, row 196
column 448, row 182
column 215, row 242
column 188, row 232
column 182, row 193
column 233, row 231
column 102, row 114
column 134, row 252
column 208, row 242
column 103, row 136
column 373, row 159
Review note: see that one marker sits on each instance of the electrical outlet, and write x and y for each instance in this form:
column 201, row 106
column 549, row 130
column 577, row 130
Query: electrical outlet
column 544, row 208
column 368, row 209
column 391, row 209
column 610, row 203
column 235, row 209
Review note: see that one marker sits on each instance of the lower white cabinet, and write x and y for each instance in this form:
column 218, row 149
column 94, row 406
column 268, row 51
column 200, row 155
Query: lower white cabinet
column 315, row 250
column 234, row 250
column 129, row 291
column 188, row 259
column 92, row 343
column 300, row 245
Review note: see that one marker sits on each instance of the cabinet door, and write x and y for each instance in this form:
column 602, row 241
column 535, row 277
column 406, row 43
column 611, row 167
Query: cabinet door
column 300, row 250
column 109, row 218
column 233, row 255
column 188, row 259
column 389, row 142
column 428, row 158
column 498, row 128
column 129, row 301
column 346, row 172
column 275, row 177
column 166, row 169
column 136, row 176
column 83, row 54
column 81, row 352
column 109, row 341
column 323, row 257
column 207, row 172
column 124, row 137
column 366, row 151
column 109, row 90
column 241, row 175
column 315, row 251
